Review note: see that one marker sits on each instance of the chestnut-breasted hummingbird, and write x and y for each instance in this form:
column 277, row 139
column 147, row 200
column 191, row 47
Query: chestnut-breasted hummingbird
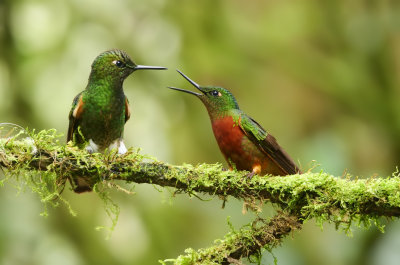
column 243, row 142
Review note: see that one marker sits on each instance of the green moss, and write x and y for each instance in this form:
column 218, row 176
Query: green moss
column 23, row 146
column 37, row 161
column 23, row 150
column 245, row 242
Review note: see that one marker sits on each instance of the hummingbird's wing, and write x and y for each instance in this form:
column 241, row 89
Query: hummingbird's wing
column 127, row 110
column 267, row 144
column 74, row 115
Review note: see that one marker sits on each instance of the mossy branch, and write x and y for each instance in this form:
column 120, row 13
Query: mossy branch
column 247, row 242
column 302, row 197
column 309, row 194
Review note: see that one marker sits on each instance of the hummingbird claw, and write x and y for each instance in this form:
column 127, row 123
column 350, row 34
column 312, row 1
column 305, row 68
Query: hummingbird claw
column 89, row 149
column 250, row 175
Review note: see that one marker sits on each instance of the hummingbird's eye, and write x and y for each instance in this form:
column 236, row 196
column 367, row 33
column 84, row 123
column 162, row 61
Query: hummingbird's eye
column 215, row 93
column 118, row 63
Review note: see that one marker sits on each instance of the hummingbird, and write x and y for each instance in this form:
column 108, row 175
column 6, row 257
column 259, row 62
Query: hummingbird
column 99, row 113
column 243, row 142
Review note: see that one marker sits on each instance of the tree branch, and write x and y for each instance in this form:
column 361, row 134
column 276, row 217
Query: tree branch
column 309, row 194
column 246, row 242
column 302, row 197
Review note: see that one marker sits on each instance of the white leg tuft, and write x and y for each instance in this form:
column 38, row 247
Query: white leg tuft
column 92, row 147
column 122, row 149
column 119, row 144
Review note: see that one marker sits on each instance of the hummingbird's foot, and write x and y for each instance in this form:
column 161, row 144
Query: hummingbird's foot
column 250, row 175
column 256, row 171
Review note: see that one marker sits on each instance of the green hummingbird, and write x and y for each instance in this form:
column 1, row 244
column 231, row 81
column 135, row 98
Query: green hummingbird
column 99, row 113
column 243, row 142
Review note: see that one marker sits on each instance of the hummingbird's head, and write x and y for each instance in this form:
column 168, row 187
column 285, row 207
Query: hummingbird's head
column 117, row 64
column 216, row 99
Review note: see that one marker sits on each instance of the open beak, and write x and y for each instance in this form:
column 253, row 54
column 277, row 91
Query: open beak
column 190, row 81
column 147, row 67
column 184, row 90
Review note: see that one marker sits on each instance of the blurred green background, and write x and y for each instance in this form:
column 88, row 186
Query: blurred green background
column 321, row 76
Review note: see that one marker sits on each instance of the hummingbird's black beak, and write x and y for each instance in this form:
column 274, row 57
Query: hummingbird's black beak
column 192, row 82
column 147, row 67
column 184, row 90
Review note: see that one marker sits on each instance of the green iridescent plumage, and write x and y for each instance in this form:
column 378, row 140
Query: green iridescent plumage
column 99, row 113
